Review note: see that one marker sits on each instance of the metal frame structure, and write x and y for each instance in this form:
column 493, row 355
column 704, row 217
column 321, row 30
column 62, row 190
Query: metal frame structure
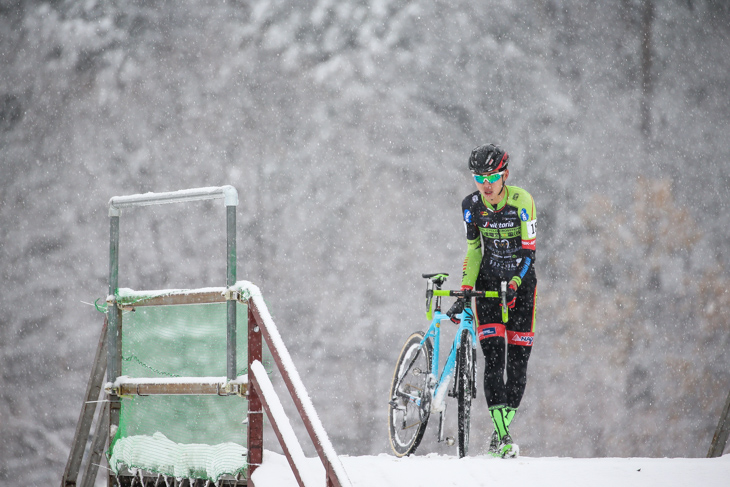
column 116, row 204
column 255, row 386
column 109, row 358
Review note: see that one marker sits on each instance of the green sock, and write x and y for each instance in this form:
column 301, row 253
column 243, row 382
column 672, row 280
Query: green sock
column 509, row 415
column 499, row 418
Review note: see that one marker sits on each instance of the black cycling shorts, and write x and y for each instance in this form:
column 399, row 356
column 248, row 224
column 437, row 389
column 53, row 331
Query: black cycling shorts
column 520, row 329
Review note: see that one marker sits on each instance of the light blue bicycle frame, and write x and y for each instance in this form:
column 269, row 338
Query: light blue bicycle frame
column 440, row 387
column 432, row 399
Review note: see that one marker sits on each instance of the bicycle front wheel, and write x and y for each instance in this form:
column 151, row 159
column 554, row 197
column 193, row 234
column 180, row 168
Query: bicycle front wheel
column 410, row 400
column 465, row 374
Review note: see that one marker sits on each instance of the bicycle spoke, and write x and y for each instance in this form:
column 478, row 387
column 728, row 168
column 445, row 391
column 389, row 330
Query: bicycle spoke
column 412, row 425
column 413, row 386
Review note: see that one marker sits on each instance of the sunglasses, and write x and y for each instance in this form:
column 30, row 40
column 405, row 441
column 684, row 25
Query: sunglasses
column 489, row 178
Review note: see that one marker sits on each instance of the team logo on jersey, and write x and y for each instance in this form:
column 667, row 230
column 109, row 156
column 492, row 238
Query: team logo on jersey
column 475, row 198
column 501, row 244
column 467, row 216
column 503, row 225
column 524, row 216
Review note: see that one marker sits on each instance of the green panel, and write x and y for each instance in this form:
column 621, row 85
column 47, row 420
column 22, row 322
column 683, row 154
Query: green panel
column 170, row 434
column 181, row 341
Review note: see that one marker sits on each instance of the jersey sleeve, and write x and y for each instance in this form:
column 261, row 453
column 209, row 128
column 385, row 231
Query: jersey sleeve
column 473, row 259
column 528, row 231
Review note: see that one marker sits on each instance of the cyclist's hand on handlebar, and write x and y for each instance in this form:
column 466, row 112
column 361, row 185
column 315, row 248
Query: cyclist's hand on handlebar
column 511, row 294
column 456, row 309
column 458, row 306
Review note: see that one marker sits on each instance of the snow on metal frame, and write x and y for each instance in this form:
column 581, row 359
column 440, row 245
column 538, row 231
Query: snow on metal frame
column 249, row 290
column 144, row 386
column 228, row 193
column 130, row 294
column 126, row 380
column 127, row 297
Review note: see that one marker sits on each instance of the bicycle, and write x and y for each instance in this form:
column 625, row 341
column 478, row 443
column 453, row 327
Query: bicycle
column 417, row 390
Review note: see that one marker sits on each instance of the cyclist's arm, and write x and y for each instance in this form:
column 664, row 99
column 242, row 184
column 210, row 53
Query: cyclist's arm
column 473, row 259
column 528, row 217
column 472, row 262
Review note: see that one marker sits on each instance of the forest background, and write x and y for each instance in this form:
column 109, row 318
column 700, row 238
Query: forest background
column 346, row 126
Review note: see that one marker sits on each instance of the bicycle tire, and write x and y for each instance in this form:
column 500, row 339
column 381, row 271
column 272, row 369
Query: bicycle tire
column 466, row 385
column 410, row 404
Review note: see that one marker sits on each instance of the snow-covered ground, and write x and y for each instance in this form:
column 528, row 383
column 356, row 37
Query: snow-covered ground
column 442, row 471
column 476, row 470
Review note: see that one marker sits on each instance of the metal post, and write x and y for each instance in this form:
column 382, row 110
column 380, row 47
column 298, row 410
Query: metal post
column 230, row 281
column 255, row 408
column 111, row 364
column 114, row 316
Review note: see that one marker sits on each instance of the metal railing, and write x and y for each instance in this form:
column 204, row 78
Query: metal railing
column 262, row 397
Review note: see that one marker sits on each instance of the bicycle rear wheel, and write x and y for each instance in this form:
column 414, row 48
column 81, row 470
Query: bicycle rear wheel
column 410, row 400
column 465, row 374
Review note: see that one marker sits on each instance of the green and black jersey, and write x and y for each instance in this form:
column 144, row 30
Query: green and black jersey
column 501, row 240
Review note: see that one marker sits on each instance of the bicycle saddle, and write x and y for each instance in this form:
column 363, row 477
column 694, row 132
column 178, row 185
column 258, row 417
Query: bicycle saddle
column 438, row 278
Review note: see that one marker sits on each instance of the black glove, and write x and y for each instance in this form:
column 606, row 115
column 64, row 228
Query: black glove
column 456, row 308
column 511, row 294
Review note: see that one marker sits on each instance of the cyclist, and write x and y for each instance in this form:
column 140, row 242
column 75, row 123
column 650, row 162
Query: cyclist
column 500, row 231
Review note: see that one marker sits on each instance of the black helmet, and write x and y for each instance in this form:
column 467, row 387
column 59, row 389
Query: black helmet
column 487, row 158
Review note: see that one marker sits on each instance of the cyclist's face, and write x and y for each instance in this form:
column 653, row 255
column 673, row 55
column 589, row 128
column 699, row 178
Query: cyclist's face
column 493, row 192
